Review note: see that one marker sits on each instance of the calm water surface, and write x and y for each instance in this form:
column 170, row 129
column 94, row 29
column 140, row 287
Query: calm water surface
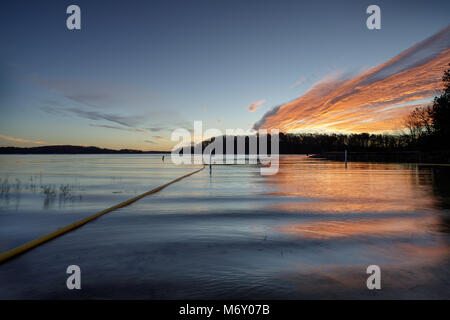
column 308, row 232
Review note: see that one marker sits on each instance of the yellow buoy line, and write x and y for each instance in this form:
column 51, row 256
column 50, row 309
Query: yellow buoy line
column 34, row 243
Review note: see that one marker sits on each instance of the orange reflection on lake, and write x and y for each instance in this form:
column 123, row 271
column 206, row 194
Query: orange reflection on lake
column 391, row 227
column 329, row 187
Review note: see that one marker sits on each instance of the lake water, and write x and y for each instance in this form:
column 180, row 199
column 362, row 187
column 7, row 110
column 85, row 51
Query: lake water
column 309, row 231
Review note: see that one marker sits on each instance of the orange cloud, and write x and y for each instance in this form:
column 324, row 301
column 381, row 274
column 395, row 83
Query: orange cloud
column 252, row 107
column 8, row 138
column 374, row 101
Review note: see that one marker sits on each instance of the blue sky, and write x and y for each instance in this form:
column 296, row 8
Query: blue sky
column 138, row 69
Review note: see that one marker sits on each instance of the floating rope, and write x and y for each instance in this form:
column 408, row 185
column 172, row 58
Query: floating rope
column 34, row 243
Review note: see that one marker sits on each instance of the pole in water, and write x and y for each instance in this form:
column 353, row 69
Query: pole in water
column 210, row 164
column 346, row 158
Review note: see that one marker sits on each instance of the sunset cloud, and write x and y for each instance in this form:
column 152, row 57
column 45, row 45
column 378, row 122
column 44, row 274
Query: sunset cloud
column 13, row 139
column 119, row 128
column 252, row 107
column 374, row 101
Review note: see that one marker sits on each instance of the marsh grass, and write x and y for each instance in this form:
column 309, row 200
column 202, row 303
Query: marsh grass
column 34, row 184
column 49, row 191
column 4, row 187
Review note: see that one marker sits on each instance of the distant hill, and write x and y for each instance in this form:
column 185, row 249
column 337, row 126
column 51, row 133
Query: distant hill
column 71, row 150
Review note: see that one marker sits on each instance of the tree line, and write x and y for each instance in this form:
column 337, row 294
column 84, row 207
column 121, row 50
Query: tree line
column 428, row 128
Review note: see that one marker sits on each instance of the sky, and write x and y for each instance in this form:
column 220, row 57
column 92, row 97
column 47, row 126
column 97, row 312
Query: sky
column 137, row 70
column 376, row 100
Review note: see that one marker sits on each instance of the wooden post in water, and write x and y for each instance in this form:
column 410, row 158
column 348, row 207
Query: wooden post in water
column 210, row 164
column 345, row 158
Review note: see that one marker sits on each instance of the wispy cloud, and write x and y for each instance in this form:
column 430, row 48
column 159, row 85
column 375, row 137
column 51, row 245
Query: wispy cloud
column 92, row 99
column 119, row 128
column 127, row 121
column 297, row 83
column 252, row 107
column 374, row 101
column 159, row 138
column 89, row 94
column 14, row 139
column 155, row 129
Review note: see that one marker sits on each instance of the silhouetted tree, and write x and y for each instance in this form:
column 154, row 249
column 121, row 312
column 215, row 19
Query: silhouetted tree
column 420, row 122
column 441, row 113
column 429, row 125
